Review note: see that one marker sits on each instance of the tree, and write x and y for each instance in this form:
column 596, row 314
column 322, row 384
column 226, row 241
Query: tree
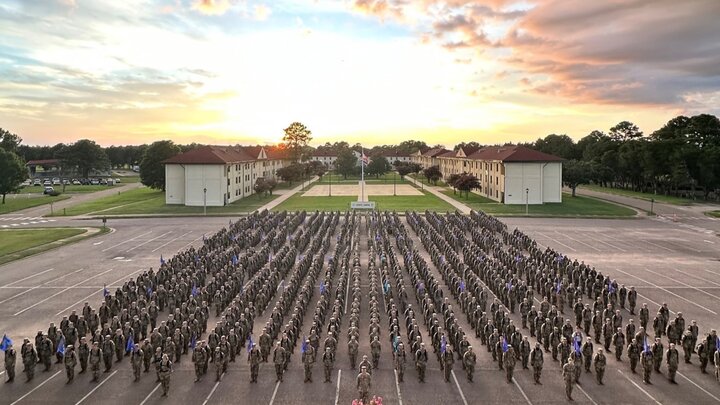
column 270, row 185
column 432, row 174
column 378, row 166
column 346, row 163
column 558, row 145
column 452, row 181
column 9, row 141
column 469, row 145
column 152, row 169
column 13, row 172
column 296, row 138
column 291, row 173
column 467, row 182
column 260, row 186
column 415, row 167
column 625, row 131
column 316, row 168
column 84, row 156
column 576, row 172
column 404, row 169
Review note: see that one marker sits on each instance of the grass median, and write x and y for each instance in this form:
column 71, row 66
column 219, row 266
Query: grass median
column 146, row 201
column 668, row 199
column 16, row 202
column 427, row 201
column 20, row 243
column 579, row 206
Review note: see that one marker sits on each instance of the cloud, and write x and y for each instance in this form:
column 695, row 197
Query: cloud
column 380, row 8
column 261, row 12
column 212, row 7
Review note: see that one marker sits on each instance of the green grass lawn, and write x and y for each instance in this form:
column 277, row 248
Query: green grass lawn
column 470, row 199
column 128, row 179
column 636, row 194
column 579, row 206
column 149, row 201
column 715, row 214
column 424, row 180
column 342, row 203
column 18, row 243
column 16, row 202
column 69, row 189
column 387, row 178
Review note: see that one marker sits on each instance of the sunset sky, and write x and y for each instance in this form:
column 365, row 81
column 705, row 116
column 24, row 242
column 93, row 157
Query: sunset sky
column 370, row 71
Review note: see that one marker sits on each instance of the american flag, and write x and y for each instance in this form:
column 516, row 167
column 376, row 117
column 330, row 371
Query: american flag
column 364, row 159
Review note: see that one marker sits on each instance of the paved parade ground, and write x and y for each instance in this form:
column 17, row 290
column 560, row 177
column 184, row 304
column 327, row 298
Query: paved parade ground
column 665, row 262
column 322, row 190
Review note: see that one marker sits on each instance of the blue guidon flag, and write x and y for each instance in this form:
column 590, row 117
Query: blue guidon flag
column 5, row 343
column 504, row 344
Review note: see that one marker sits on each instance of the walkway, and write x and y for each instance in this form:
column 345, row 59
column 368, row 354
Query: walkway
column 435, row 190
column 274, row 203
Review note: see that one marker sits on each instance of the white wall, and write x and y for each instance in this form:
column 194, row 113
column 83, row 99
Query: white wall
column 198, row 177
column 521, row 176
column 552, row 182
column 174, row 184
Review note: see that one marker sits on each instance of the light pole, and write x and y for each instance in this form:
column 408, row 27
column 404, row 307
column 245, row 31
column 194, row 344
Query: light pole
column 205, row 201
column 527, row 200
column 652, row 203
column 329, row 184
column 394, row 183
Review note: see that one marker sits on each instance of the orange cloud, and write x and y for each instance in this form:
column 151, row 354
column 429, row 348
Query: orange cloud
column 212, row 7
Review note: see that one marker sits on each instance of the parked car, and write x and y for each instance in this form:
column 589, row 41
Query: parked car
column 76, row 182
column 117, row 180
column 37, row 182
column 47, row 183
column 94, row 182
column 66, row 181
column 56, row 181
column 103, row 182
column 26, row 183
column 48, row 190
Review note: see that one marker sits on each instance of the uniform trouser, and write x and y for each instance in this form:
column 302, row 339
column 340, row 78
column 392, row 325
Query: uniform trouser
column 364, row 396
column 588, row 363
column 254, row 368
column 525, row 360
column 599, row 374
column 509, row 373
column 137, row 369
column 165, row 384
column 96, row 371
column 119, row 355
column 656, row 364
column 646, row 374
column 83, row 365
column 687, row 352
column 469, row 371
column 108, row 362
column 353, row 360
column 421, row 371
column 47, row 362
column 618, row 352
column 447, row 370
column 218, row 371
column 568, row 387
column 375, row 359
column 30, row 371
column 328, row 371
column 537, row 372
column 70, row 372
column 633, row 363
column 401, row 373
column 146, row 365
column 703, row 364
column 10, row 372
column 279, row 368
column 308, row 372
column 198, row 370
column 671, row 373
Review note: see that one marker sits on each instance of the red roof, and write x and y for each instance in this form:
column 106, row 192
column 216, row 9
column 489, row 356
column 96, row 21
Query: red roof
column 513, row 154
column 448, row 154
column 217, row 155
column 435, row 152
column 43, row 162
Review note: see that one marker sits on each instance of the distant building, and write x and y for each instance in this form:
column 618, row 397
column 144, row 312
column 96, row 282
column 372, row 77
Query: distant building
column 507, row 174
column 218, row 175
column 396, row 156
column 326, row 158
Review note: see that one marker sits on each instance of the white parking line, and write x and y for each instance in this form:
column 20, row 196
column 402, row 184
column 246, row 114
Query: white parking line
column 518, row 387
column 33, row 390
column 701, row 388
column 41, row 285
column 639, row 387
column 699, row 278
column 98, row 291
column 148, row 241
column 150, row 394
column 655, row 244
column 457, row 384
column 272, row 399
column 669, row 292
column 682, row 283
column 337, row 389
column 586, row 394
column 597, row 239
column 96, row 387
column 212, row 391
column 579, row 241
column 397, row 385
column 169, row 242
column 60, row 292
column 29, row 277
column 126, row 241
column 558, row 242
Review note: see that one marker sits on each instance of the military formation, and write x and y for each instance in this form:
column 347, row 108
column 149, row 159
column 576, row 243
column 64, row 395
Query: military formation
column 274, row 264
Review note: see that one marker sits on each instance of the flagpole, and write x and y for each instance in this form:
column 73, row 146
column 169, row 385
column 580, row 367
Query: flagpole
column 362, row 174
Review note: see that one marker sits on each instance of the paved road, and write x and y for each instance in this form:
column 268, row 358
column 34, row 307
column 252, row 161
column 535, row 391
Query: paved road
column 689, row 217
